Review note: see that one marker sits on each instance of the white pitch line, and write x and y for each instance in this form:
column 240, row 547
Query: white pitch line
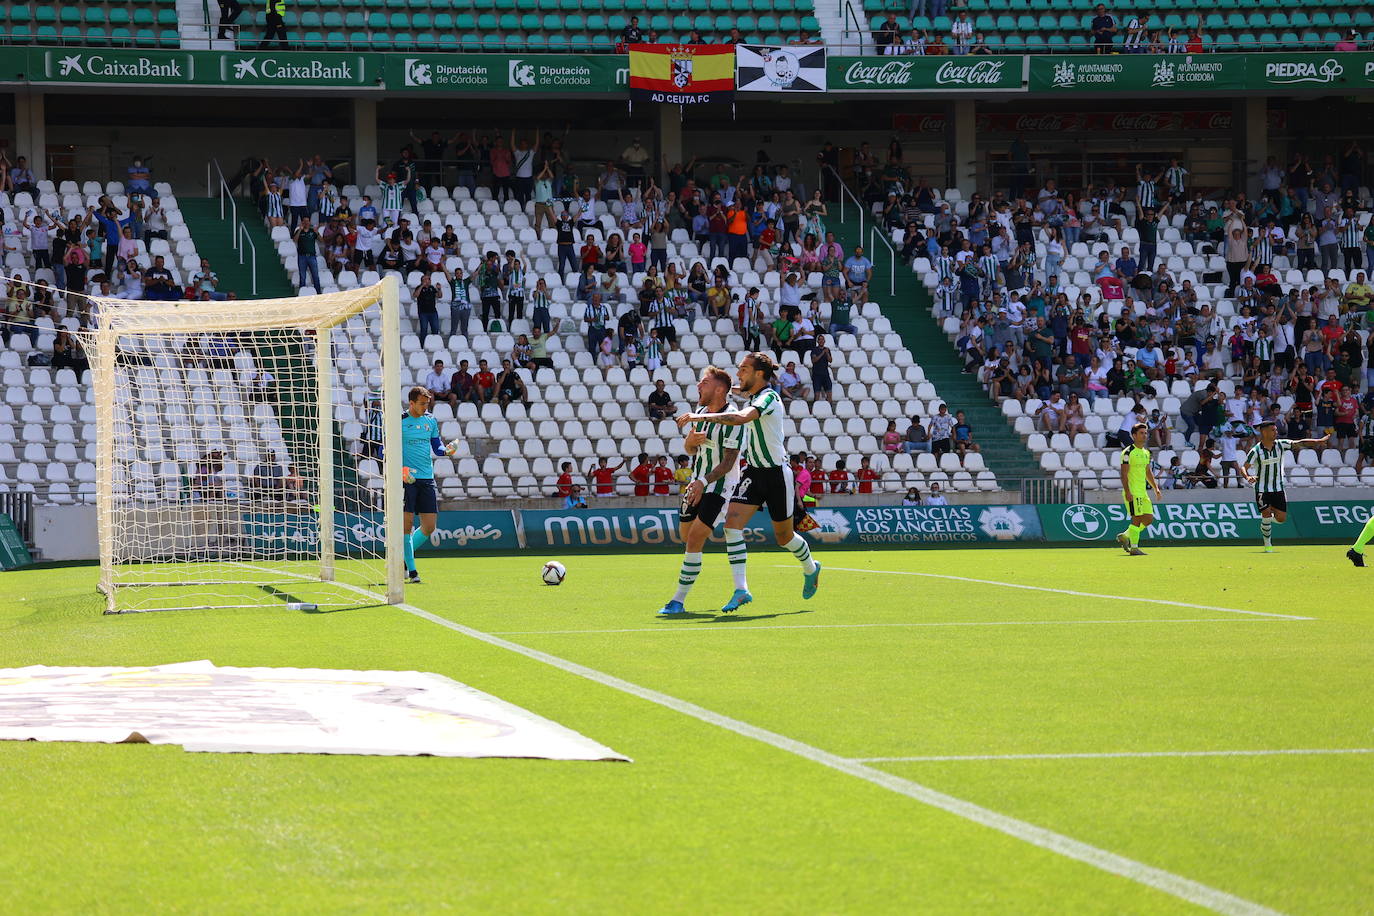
column 1300, row 752
column 1065, row 591
column 723, row 628
column 1176, row 885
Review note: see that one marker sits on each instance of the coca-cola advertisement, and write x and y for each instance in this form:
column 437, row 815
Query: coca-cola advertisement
column 874, row 74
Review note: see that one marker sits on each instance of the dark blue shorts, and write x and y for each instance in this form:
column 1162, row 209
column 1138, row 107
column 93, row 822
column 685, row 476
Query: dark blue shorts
column 421, row 496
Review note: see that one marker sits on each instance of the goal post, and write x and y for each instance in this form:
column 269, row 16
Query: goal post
column 239, row 451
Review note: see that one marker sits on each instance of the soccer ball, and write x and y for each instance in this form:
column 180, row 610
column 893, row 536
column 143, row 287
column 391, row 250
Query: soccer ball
column 553, row 573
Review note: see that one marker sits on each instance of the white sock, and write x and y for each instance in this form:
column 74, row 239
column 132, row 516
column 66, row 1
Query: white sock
column 1266, row 529
column 736, row 553
column 802, row 552
column 691, row 568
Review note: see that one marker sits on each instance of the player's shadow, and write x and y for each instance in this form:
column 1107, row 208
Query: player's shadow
column 728, row 618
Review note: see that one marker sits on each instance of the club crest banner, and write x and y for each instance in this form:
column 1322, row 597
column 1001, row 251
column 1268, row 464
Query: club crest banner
column 762, row 68
column 682, row 74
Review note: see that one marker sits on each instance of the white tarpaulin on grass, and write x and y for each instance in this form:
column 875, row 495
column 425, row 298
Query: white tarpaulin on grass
column 278, row 711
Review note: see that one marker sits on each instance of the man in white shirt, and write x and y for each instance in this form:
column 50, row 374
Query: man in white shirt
column 437, row 381
column 935, row 497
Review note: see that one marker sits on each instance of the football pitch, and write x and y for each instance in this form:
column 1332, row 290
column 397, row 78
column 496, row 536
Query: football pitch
column 944, row 731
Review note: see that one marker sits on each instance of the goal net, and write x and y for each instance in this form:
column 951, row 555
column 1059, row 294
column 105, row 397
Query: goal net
column 232, row 446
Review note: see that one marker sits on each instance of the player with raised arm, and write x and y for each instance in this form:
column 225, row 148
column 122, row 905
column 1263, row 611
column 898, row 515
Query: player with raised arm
column 714, row 449
column 767, row 477
column 1137, row 478
column 420, row 443
column 1266, row 456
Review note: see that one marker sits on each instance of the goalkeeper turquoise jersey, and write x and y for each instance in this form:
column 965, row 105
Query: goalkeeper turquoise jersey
column 420, row 442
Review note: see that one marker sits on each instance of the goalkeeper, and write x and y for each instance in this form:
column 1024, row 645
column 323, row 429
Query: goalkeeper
column 420, row 442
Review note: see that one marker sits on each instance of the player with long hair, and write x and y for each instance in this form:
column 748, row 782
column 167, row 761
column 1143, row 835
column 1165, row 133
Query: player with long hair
column 767, row 477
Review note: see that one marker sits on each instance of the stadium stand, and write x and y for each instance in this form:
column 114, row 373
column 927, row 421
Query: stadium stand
column 1174, row 327
column 1058, row 26
column 584, row 406
column 47, row 423
column 141, row 23
column 530, row 25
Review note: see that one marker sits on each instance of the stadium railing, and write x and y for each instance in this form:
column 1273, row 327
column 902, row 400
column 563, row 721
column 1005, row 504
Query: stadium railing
column 875, row 232
column 216, row 185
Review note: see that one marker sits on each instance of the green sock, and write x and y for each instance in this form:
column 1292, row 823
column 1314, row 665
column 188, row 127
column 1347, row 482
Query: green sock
column 1133, row 534
column 1365, row 536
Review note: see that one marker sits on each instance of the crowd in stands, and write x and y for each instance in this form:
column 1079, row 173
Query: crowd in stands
column 1200, row 311
column 607, row 261
column 122, row 240
column 935, row 27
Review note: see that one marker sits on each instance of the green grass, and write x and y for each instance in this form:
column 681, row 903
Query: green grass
column 706, row 820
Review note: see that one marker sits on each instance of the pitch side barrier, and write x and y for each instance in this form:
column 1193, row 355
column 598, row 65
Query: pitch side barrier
column 556, row 531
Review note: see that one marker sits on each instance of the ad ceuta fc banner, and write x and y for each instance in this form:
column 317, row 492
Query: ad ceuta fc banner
column 682, row 74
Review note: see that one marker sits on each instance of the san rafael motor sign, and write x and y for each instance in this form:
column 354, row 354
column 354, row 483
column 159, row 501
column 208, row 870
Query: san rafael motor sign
column 927, row 74
column 1173, row 522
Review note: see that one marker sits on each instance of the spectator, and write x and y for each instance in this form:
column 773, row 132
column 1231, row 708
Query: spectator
column 1103, row 30
column 659, row 403
column 941, row 431
column 510, row 387
column 885, row 36
column 963, row 436
column 484, row 383
column 439, row 382
column 642, row 474
column 865, row 475
column 912, row 498
column 427, row 309
column 935, row 497
column 917, row 438
column 892, row 440
column 21, row 177
column 821, row 384
column 791, row 383
column 858, row 270
column 463, row 385
column 961, row 33
column 307, row 254
column 663, row 476
column 158, row 282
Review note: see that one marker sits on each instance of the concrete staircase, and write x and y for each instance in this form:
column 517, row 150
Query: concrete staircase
column 830, row 14
column 212, row 238
column 198, row 21
column 910, row 313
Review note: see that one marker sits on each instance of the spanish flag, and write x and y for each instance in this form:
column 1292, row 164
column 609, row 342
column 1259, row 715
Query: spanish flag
column 682, row 74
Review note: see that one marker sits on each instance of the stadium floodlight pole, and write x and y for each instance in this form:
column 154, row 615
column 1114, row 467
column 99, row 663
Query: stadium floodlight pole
column 391, row 439
column 324, row 418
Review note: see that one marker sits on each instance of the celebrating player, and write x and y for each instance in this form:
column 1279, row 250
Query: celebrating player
column 1268, row 477
column 767, row 477
column 715, row 449
column 1136, row 478
column 420, row 443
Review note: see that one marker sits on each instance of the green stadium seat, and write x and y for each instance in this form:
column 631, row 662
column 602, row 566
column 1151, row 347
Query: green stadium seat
column 20, row 13
column 167, row 18
column 69, row 15
column 313, row 41
column 508, row 22
column 529, row 22
column 1342, row 19
column 574, row 22
column 1057, row 43
column 558, row 42
column 71, row 35
column 355, row 19
column 119, row 36
column 596, row 22
column 811, row 24
column 336, row 40
column 311, row 19
column 788, row 24
column 536, row 42
column 46, row 15
column 169, row 38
